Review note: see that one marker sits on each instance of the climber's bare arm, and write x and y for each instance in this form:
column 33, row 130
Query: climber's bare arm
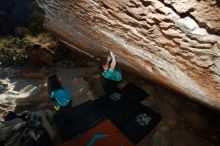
column 113, row 63
column 106, row 66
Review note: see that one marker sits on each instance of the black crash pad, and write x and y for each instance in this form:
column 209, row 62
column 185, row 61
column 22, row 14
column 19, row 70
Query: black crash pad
column 118, row 107
column 135, row 92
column 77, row 120
column 142, row 123
column 110, row 86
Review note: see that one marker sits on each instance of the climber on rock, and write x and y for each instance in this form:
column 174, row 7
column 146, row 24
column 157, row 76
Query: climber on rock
column 111, row 71
column 62, row 97
column 112, row 74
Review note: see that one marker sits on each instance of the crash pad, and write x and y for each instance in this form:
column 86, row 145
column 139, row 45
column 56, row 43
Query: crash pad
column 76, row 120
column 135, row 92
column 141, row 124
column 118, row 107
column 104, row 134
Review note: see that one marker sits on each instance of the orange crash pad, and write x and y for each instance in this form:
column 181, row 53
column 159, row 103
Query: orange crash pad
column 104, row 134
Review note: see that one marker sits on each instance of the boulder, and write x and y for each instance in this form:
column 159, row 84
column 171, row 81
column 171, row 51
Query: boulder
column 174, row 43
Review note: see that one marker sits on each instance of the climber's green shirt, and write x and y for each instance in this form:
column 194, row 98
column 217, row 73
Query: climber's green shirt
column 112, row 75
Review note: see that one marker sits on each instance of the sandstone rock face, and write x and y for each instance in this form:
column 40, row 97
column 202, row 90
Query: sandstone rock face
column 173, row 42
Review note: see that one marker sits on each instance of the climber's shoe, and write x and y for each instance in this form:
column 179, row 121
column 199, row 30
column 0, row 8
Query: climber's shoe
column 57, row 107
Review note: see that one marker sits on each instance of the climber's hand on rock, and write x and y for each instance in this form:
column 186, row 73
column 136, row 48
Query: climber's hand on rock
column 112, row 54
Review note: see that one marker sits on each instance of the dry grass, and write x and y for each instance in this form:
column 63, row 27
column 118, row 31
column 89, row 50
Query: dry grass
column 12, row 49
column 44, row 39
column 3, row 42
